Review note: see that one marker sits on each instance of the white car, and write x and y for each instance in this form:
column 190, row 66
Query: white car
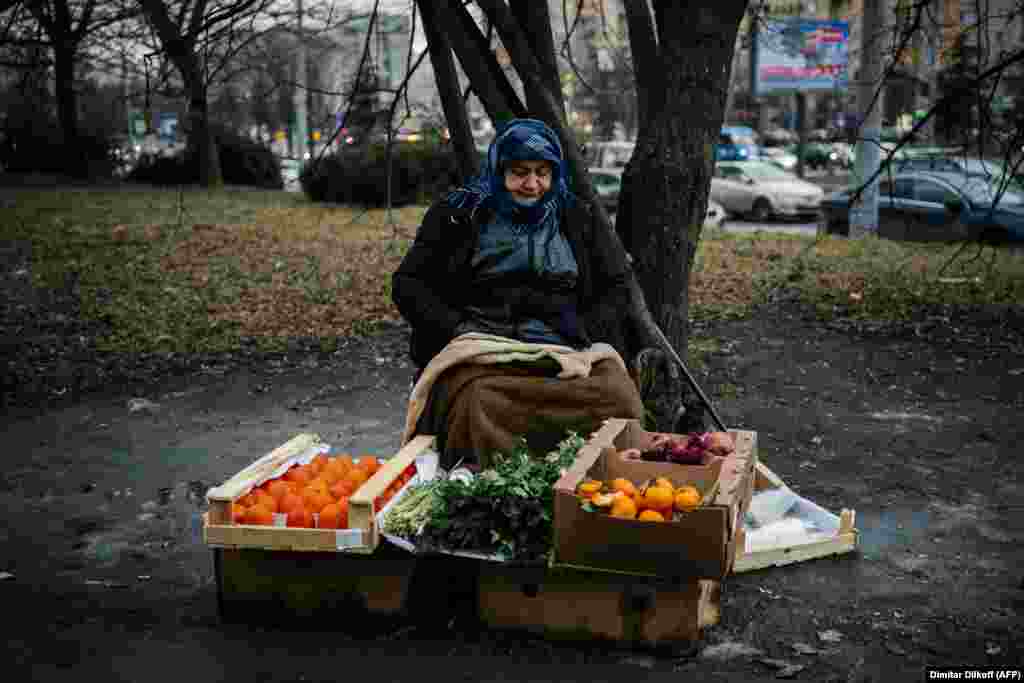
column 780, row 157
column 608, row 183
column 715, row 216
column 761, row 190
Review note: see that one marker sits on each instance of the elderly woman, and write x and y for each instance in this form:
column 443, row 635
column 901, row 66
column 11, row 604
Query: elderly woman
column 497, row 288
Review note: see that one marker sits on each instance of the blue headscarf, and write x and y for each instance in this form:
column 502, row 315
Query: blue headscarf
column 518, row 140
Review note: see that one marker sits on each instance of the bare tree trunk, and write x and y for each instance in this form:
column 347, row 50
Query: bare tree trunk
column 67, row 106
column 448, row 87
column 179, row 44
column 201, row 141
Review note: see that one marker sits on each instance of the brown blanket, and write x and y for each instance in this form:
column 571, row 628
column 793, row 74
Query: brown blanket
column 481, row 393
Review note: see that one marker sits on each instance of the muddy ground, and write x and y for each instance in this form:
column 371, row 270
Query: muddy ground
column 917, row 426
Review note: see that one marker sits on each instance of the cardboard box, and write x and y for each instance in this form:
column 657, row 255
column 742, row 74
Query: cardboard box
column 702, row 544
column 571, row 604
column 362, row 536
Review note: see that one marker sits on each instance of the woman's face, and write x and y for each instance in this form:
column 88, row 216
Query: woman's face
column 528, row 181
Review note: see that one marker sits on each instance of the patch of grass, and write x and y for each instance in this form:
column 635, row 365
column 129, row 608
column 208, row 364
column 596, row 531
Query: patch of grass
column 869, row 278
column 199, row 270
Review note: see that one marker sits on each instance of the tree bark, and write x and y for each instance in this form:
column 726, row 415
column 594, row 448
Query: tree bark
column 665, row 185
column 180, row 46
column 448, row 87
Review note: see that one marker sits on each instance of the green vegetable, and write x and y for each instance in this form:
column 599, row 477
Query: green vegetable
column 407, row 515
column 506, row 510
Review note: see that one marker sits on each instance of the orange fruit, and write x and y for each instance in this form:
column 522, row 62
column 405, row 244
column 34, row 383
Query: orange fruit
column 370, row 463
column 342, row 488
column 345, row 460
column 299, row 474
column 318, row 463
column 300, row 517
column 277, row 488
column 659, row 498
column 248, row 500
column 589, row 488
column 686, row 499
column 265, row 499
column 238, row 513
column 624, row 507
column 330, row 517
column 290, row 502
column 651, row 516
column 665, row 483
column 316, row 500
column 357, row 476
column 258, row 514
column 624, row 485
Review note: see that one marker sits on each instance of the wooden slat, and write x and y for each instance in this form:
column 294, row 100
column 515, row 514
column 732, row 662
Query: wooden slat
column 778, row 557
column 261, row 470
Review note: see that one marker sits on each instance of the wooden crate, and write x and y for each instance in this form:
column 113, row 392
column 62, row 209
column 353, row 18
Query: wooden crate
column 844, row 541
column 563, row 603
column 362, row 536
column 255, row 585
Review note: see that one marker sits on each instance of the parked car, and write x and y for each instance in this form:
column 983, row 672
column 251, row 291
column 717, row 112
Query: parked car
column 715, row 215
column 608, row 154
column 736, row 143
column 960, row 164
column 818, row 155
column 779, row 156
column 930, row 206
column 608, row 184
column 762, row 190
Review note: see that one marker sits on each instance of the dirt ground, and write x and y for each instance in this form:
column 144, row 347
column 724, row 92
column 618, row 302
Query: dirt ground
column 917, row 426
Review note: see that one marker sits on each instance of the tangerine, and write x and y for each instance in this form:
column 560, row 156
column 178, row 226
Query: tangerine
column 687, row 498
column 316, row 500
column 319, row 462
column 330, row 517
column 357, row 476
column 300, row 517
column 346, row 461
column 651, row 516
column 248, row 500
column 624, row 507
column 342, row 488
column 277, row 488
column 624, row 485
column 238, row 513
column 589, row 488
column 265, row 499
column 290, row 502
column 665, row 482
column 659, row 498
column 299, row 474
column 370, row 463
column 258, row 514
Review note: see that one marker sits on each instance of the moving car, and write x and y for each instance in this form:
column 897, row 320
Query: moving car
column 762, row 190
column 736, row 143
column 610, row 154
column 933, row 206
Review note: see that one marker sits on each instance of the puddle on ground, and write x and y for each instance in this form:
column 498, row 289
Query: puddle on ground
column 886, row 530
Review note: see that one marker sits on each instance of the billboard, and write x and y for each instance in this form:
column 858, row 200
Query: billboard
column 795, row 54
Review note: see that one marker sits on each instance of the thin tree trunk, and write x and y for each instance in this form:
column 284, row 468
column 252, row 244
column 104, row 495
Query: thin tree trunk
column 67, row 107
column 448, row 87
column 201, row 140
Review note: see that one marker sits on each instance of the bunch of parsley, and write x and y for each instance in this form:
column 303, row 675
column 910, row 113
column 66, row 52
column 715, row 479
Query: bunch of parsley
column 506, row 510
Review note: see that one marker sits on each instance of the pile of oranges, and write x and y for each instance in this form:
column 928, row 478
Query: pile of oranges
column 658, row 500
column 321, row 487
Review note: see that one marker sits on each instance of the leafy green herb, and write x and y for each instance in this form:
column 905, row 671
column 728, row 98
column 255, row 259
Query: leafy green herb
column 506, row 510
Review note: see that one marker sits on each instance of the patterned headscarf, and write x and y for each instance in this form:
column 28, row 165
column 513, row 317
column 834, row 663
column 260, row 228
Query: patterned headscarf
column 518, row 140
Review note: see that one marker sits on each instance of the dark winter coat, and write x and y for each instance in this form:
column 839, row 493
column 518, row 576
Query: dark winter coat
column 432, row 286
